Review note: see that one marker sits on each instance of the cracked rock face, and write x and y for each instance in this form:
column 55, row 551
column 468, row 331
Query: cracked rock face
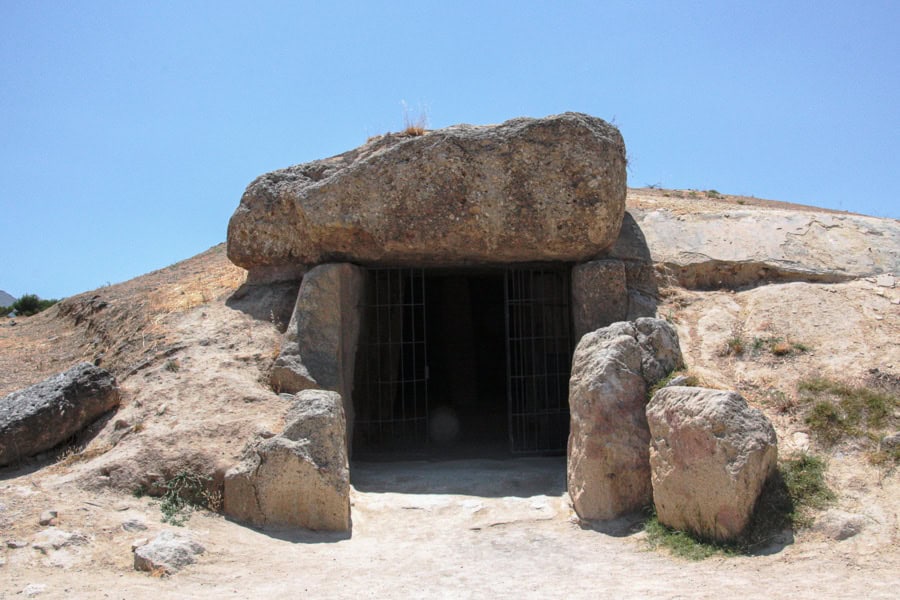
column 524, row 190
column 716, row 248
column 300, row 478
column 608, row 454
column 710, row 456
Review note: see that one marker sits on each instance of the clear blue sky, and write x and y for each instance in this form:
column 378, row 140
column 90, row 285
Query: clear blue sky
column 130, row 129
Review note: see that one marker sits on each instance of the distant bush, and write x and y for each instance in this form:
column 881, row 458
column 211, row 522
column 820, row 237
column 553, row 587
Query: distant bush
column 30, row 304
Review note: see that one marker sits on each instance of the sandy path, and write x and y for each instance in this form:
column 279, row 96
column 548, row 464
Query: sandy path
column 459, row 529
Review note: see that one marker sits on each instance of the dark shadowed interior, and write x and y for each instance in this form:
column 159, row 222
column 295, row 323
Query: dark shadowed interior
column 432, row 376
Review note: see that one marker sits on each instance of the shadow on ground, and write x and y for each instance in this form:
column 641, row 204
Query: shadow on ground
column 491, row 478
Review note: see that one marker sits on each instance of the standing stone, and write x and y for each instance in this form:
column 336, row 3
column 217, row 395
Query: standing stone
column 48, row 413
column 550, row 189
column 300, row 478
column 640, row 272
column 599, row 295
column 608, row 458
column 319, row 346
column 710, row 455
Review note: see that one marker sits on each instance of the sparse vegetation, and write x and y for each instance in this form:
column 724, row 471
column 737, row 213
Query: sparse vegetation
column 692, row 380
column 778, row 346
column 737, row 345
column 414, row 126
column 172, row 365
column 714, row 194
column 796, row 489
column 779, row 401
column 734, row 346
column 680, row 543
column 184, row 492
column 839, row 411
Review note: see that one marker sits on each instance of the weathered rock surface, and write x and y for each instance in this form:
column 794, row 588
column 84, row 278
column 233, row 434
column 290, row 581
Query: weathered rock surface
column 710, row 455
column 524, row 190
column 300, row 478
column 640, row 274
column 839, row 525
column 46, row 414
column 319, row 345
column 599, row 295
column 54, row 539
column 169, row 551
column 718, row 246
column 608, row 457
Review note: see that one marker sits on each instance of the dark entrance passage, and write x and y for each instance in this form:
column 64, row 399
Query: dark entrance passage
column 463, row 363
column 467, row 362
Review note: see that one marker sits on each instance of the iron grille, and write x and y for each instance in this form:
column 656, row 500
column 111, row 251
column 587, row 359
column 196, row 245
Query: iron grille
column 394, row 370
column 539, row 350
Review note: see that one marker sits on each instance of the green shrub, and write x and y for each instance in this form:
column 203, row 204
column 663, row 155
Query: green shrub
column 184, row 492
column 30, row 304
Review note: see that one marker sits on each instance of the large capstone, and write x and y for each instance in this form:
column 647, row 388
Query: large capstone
column 549, row 189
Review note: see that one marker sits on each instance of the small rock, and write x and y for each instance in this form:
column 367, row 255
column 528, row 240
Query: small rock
column 134, row 525
column 138, row 543
column 839, row 525
column 54, row 539
column 889, row 442
column 33, row 589
column 121, row 424
column 16, row 544
column 49, row 517
column 169, row 551
column 885, row 280
column 681, row 380
column 801, row 440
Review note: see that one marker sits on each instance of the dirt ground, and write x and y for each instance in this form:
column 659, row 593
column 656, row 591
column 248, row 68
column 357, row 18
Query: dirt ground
column 191, row 349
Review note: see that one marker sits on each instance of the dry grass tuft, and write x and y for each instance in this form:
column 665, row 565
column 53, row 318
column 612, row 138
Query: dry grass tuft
column 414, row 126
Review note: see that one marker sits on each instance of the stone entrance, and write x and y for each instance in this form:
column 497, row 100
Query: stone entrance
column 460, row 341
column 465, row 362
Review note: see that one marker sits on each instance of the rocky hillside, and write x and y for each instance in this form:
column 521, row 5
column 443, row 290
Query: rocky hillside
column 767, row 298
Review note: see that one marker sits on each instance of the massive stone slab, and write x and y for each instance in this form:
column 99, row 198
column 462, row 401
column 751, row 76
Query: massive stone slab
column 48, row 413
column 524, row 190
column 319, row 345
column 300, row 478
column 710, row 455
column 608, row 455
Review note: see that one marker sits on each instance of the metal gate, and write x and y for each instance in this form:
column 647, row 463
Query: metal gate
column 393, row 372
column 539, row 355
